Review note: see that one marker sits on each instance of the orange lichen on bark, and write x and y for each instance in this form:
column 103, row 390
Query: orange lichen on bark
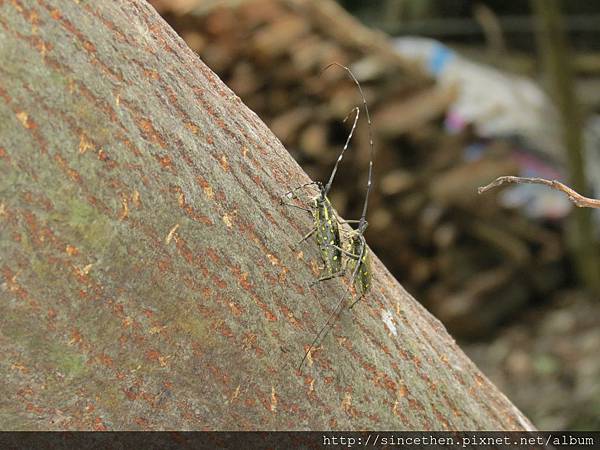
column 148, row 129
column 72, row 250
column 72, row 173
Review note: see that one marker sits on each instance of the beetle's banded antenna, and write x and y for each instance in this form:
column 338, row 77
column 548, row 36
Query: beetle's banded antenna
column 356, row 111
column 371, row 146
column 324, row 189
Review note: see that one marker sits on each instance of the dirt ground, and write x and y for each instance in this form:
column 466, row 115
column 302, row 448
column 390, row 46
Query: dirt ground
column 548, row 363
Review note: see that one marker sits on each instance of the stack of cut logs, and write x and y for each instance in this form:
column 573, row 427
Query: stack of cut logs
column 470, row 262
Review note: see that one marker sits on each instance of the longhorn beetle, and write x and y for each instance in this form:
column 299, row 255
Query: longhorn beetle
column 359, row 260
column 326, row 227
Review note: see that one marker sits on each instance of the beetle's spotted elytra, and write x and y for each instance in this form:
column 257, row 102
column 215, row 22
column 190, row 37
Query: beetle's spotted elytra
column 357, row 245
column 327, row 235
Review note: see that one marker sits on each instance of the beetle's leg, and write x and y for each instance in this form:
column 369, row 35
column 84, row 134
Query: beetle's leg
column 348, row 254
column 356, row 301
column 309, row 234
column 296, row 206
column 329, row 277
column 292, row 192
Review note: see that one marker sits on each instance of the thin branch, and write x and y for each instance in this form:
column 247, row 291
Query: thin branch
column 576, row 198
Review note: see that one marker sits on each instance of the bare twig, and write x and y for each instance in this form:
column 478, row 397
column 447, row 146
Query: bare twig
column 576, row 198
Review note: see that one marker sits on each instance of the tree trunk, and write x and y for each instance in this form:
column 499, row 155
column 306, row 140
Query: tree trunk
column 148, row 276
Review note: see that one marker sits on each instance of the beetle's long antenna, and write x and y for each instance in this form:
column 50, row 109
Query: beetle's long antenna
column 363, row 218
column 333, row 172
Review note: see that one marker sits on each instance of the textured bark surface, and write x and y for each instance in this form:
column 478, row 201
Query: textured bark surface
column 148, row 276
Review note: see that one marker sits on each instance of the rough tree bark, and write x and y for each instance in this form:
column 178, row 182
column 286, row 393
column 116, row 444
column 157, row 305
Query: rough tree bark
column 148, row 276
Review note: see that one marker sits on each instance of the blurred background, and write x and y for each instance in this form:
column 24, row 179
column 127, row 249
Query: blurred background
column 460, row 92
